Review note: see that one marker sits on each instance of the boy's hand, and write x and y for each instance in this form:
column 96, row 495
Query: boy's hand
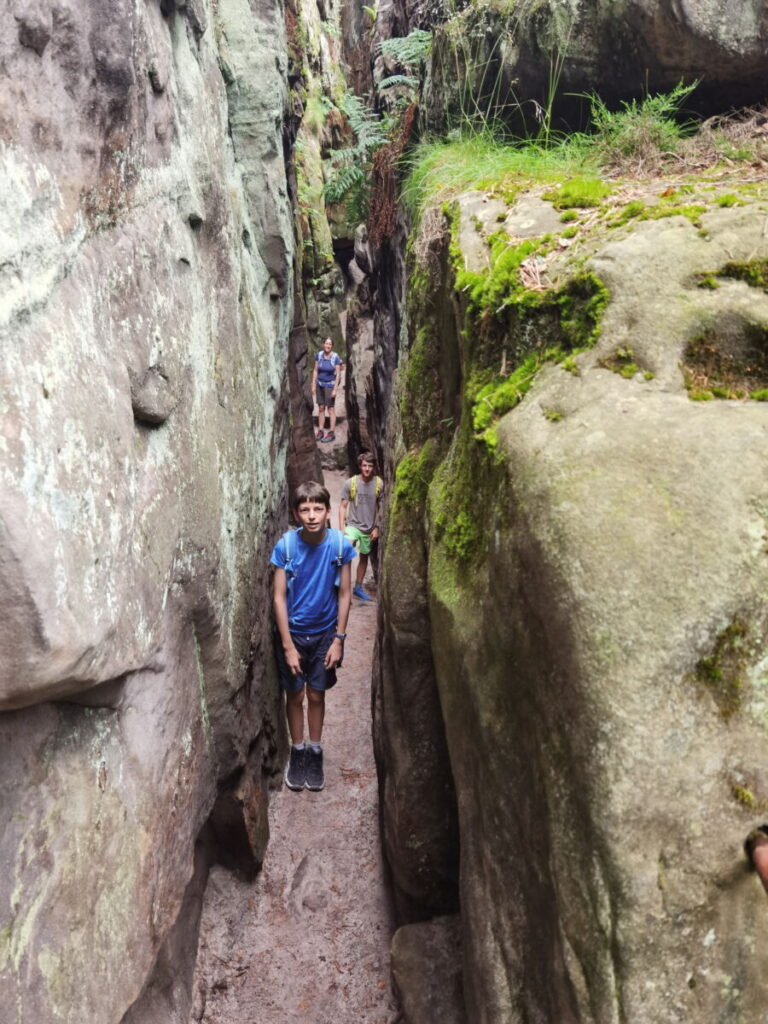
column 293, row 661
column 335, row 651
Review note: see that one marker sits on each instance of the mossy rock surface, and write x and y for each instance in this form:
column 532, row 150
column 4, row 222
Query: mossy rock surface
column 598, row 618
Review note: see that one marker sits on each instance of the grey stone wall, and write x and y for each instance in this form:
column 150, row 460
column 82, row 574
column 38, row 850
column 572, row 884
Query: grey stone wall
column 145, row 306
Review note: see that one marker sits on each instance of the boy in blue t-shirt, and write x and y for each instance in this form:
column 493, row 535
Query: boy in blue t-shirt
column 311, row 594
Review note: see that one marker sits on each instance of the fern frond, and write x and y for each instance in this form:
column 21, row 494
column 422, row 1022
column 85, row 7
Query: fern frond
column 409, row 50
column 407, row 80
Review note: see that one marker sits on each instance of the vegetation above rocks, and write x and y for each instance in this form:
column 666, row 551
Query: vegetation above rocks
column 349, row 167
column 644, row 138
column 534, row 303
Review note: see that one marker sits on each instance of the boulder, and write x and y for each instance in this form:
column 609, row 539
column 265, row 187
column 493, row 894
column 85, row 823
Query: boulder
column 146, row 255
column 596, row 580
column 426, row 967
column 490, row 62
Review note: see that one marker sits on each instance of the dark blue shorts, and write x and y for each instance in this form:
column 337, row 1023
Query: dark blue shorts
column 312, row 651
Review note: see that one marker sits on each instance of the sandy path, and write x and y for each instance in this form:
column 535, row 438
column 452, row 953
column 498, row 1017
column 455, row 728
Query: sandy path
column 309, row 939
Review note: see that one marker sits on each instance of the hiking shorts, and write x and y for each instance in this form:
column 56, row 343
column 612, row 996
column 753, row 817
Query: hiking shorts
column 362, row 541
column 325, row 396
column 312, row 650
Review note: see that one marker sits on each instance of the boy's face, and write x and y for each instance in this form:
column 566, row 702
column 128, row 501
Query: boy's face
column 312, row 515
column 366, row 470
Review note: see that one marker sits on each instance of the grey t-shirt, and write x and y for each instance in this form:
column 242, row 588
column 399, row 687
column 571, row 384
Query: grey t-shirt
column 362, row 511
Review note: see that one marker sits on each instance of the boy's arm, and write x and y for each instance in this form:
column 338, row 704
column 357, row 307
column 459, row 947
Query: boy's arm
column 377, row 513
column 280, row 604
column 343, row 513
column 336, row 650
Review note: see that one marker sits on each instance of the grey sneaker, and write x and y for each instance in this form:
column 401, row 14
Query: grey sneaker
column 296, row 770
column 314, row 774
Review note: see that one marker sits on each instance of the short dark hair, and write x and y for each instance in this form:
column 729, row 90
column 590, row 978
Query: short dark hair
column 311, row 490
column 366, row 457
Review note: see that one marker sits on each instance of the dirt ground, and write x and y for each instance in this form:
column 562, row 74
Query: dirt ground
column 309, row 940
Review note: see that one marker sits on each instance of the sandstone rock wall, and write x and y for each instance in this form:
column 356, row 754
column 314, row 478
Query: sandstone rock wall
column 510, row 63
column 145, row 307
column 595, row 606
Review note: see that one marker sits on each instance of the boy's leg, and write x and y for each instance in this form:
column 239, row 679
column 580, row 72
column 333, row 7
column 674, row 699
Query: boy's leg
column 315, row 714
column 363, row 543
column 319, row 679
column 362, row 567
column 295, row 774
column 314, row 773
column 294, row 706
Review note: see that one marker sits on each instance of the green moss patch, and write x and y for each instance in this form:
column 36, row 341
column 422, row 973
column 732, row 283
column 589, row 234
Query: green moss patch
column 464, row 488
column 454, row 507
column 622, row 361
column 412, row 479
column 748, row 798
column 728, row 199
column 421, row 398
column 502, row 394
column 578, row 193
column 490, row 292
column 723, row 672
column 628, row 212
column 753, row 272
column 727, row 364
column 498, row 299
column 691, row 211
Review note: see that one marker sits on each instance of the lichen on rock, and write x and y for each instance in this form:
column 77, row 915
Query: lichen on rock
column 596, row 596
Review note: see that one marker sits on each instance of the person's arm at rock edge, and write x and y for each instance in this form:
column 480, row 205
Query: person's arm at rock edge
column 336, row 650
column 343, row 513
column 338, row 377
column 280, row 604
column 375, row 528
column 314, row 379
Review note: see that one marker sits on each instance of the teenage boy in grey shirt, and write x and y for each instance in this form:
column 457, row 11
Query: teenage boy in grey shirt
column 359, row 515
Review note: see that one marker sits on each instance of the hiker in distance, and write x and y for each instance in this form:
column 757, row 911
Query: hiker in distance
column 311, row 596
column 326, row 374
column 359, row 515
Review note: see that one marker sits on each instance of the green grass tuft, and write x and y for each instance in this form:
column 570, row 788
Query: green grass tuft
column 578, row 193
column 439, row 170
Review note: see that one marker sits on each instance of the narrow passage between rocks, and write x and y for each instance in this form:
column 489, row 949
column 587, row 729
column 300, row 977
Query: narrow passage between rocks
column 309, row 939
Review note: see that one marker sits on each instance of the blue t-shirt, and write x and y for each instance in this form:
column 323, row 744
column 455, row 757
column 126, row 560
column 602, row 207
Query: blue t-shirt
column 326, row 368
column 313, row 605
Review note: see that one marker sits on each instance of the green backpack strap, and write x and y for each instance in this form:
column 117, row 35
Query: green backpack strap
column 353, row 488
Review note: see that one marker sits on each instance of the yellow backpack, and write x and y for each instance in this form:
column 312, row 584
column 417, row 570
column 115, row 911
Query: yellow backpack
column 353, row 488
